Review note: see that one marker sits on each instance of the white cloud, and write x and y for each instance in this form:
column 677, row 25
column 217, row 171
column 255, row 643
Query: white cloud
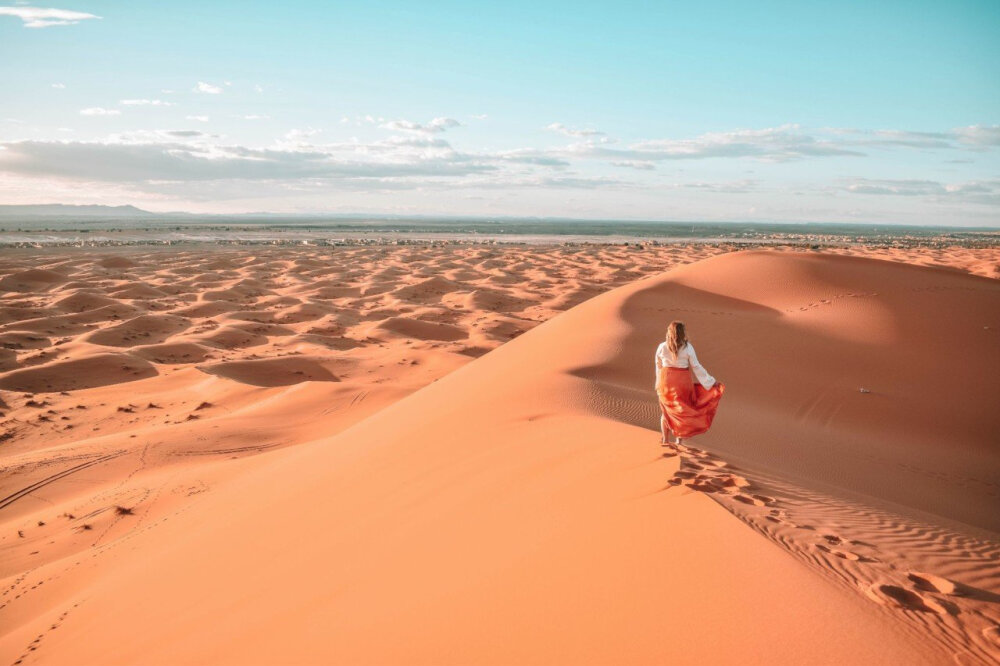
column 256, row 116
column 634, row 164
column 188, row 157
column 979, row 135
column 39, row 17
column 772, row 144
column 258, row 88
column 433, row 127
column 975, row 137
column 186, row 163
column 728, row 187
column 208, row 88
column 200, row 119
column 299, row 136
column 576, row 133
column 146, row 102
column 98, row 111
column 480, row 116
column 977, row 191
column 59, row 86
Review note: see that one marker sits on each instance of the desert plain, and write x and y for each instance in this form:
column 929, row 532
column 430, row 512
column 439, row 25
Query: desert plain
column 448, row 454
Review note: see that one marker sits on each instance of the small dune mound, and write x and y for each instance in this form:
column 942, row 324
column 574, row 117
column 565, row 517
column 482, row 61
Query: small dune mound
column 243, row 292
column 264, row 329
column 83, row 301
column 22, row 340
column 210, row 309
column 571, row 297
column 329, row 341
column 80, row 373
column 420, row 330
column 116, row 262
column 303, row 312
column 474, row 352
column 427, row 291
column 333, row 292
column 232, row 337
column 137, row 291
column 13, row 314
column 34, row 279
column 494, row 301
column 144, row 329
column 173, row 353
column 272, row 371
column 258, row 316
column 8, row 359
column 80, row 322
column 502, row 329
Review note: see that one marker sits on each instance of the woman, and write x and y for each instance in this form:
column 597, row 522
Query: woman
column 687, row 407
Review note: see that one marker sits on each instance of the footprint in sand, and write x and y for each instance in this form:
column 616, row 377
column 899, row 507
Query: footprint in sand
column 932, row 583
column 842, row 554
column 754, row 500
column 904, row 599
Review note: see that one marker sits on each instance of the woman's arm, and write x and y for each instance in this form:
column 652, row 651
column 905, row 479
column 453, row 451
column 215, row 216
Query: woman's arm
column 658, row 362
column 705, row 379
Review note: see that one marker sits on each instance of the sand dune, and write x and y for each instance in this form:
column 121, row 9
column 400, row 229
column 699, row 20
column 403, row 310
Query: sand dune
column 517, row 509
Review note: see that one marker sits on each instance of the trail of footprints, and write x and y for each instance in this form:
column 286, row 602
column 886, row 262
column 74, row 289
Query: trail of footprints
column 19, row 587
column 971, row 623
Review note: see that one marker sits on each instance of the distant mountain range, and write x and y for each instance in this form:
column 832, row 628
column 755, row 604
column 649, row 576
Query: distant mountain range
column 63, row 210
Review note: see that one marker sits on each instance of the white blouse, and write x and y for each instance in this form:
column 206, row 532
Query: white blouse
column 686, row 358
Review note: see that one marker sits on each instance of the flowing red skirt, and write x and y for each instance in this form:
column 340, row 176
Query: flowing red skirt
column 688, row 406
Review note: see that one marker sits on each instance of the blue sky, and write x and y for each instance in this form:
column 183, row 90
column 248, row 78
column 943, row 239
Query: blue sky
column 850, row 111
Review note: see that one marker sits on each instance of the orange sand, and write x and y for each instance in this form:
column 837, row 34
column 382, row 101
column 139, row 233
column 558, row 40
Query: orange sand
column 210, row 457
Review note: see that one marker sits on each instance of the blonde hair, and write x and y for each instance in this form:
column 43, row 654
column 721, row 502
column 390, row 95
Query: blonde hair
column 676, row 337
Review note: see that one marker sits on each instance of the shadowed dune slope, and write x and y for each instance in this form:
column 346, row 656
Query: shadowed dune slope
column 859, row 374
column 507, row 514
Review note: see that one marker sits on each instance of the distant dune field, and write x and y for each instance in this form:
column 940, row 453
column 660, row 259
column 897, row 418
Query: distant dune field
column 431, row 455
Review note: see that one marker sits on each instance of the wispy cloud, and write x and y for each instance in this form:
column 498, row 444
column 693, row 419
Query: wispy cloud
column 417, row 156
column 39, row 17
column 186, row 156
column 200, row 119
column 256, row 116
column 146, row 102
column 972, row 137
column 977, row 191
column 979, row 135
column 726, row 187
column 207, row 88
column 634, row 164
column 575, row 133
column 773, row 144
column 59, row 86
column 99, row 111
column 433, row 127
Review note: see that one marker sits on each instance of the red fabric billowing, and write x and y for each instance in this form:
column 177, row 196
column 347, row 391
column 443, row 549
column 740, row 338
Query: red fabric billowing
column 688, row 406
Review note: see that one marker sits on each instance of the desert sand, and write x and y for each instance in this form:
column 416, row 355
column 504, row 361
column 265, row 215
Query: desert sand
column 430, row 455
